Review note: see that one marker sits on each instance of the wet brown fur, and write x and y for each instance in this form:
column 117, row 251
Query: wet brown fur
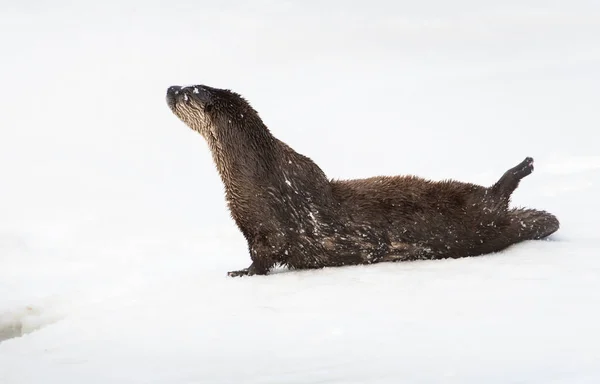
column 291, row 214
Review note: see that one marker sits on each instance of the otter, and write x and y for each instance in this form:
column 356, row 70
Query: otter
column 292, row 214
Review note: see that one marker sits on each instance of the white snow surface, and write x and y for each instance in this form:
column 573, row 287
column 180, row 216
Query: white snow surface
column 115, row 239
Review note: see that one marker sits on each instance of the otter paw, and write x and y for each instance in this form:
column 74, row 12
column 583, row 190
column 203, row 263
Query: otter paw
column 241, row 272
column 524, row 168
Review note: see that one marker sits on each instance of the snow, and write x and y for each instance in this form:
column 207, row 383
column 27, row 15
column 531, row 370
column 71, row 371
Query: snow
column 115, row 239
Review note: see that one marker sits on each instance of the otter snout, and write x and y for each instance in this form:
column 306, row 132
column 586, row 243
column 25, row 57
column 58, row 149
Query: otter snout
column 172, row 94
column 198, row 93
column 173, row 90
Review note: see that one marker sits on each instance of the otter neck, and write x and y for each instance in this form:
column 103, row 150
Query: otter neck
column 243, row 159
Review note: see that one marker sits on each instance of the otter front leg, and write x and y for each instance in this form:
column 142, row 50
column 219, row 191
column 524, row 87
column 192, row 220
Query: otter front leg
column 250, row 271
column 263, row 253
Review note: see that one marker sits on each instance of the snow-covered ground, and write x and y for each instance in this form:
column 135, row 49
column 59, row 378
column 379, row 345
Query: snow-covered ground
column 115, row 238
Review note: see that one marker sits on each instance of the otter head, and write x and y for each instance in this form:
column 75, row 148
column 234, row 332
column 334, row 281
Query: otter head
column 240, row 142
column 209, row 111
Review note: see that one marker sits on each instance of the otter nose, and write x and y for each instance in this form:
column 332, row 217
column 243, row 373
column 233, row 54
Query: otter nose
column 173, row 90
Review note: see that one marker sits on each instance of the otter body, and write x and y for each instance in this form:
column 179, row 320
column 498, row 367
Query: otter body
column 290, row 213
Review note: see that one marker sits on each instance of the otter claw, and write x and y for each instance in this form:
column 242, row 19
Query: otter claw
column 242, row 272
column 251, row 270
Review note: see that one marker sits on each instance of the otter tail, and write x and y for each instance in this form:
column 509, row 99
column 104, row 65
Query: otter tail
column 531, row 224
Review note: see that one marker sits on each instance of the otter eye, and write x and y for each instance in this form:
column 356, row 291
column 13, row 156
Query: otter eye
column 208, row 107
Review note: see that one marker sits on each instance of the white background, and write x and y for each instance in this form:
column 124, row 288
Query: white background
column 114, row 234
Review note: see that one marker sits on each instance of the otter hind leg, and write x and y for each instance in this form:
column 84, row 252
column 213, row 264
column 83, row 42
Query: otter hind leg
column 511, row 178
column 531, row 224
